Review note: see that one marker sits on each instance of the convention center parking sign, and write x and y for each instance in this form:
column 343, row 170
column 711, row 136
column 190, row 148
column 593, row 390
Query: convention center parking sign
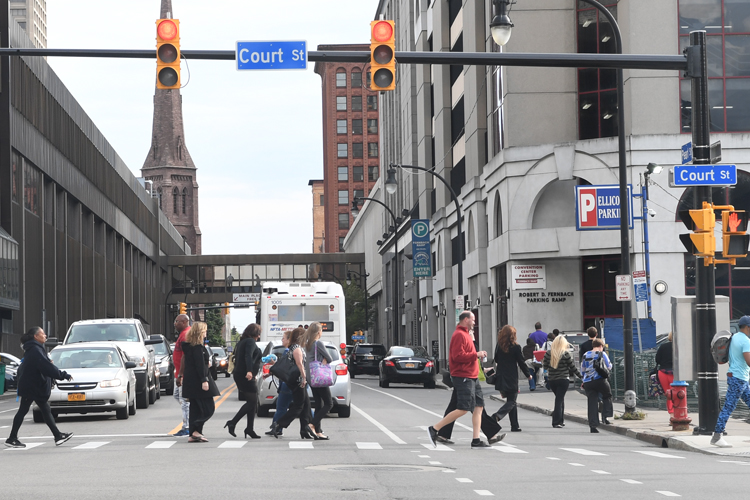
column 598, row 207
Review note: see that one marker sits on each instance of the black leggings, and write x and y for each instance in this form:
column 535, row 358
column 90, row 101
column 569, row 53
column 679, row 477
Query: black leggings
column 248, row 409
column 323, row 404
column 593, row 389
column 300, row 407
column 509, row 408
column 23, row 409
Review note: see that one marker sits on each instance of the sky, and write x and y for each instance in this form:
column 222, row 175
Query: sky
column 255, row 137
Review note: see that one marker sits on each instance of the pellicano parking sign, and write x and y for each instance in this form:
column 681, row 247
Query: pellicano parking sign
column 598, row 207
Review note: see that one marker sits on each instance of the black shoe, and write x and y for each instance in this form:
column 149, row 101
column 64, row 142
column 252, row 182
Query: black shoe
column 479, row 445
column 14, row 443
column 497, row 438
column 275, row 430
column 594, row 430
column 517, row 429
column 606, row 422
column 432, row 434
column 251, row 433
column 270, row 433
column 62, row 438
column 443, row 440
column 230, row 427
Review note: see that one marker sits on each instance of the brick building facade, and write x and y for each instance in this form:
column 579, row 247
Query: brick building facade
column 319, row 215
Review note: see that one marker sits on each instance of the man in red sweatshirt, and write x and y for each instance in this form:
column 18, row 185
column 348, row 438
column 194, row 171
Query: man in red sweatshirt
column 462, row 360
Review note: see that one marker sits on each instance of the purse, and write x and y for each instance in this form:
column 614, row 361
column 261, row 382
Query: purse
column 601, row 367
column 654, row 386
column 490, row 376
column 286, row 369
column 321, row 374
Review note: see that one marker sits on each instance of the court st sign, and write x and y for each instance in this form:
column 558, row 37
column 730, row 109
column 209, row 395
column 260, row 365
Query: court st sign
column 703, row 175
column 271, row 55
column 598, row 207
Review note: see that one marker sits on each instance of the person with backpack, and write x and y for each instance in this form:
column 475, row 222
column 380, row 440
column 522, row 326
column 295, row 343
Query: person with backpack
column 737, row 379
column 595, row 367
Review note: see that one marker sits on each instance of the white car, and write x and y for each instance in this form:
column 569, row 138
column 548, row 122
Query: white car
column 103, row 380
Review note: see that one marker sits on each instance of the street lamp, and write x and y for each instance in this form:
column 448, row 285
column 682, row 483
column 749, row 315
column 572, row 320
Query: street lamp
column 391, row 184
column 501, row 25
column 321, row 273
column 652, row 168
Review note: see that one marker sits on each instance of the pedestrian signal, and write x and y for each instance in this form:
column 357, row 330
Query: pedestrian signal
column 702, row 242
column 734, row 239
column 183, row 308
column 383, row 55
column 167, row 54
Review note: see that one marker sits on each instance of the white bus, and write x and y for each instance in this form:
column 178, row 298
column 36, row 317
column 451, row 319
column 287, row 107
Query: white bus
column 285, row 306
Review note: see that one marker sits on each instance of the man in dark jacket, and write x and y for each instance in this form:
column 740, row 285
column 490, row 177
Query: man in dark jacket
column 35, row 385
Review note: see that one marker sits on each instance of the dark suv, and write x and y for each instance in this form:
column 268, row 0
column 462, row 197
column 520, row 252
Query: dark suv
column 365, row 358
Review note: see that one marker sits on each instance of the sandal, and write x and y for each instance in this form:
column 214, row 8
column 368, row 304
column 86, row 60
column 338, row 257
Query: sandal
column 197, row 439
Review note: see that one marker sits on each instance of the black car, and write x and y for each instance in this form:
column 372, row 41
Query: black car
column 407, row 365
column 365, row 359
column 165, row 363
column 222, row 360
column 214, row 368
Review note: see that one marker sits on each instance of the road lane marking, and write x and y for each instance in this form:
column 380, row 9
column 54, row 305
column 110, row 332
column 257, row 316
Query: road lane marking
column 423, row 456
column 720, row 461
column 581, row 451
column 668, row 493
column 553, row 458
column 369, row 446
column 448, row 471
column 599, row 471
column 160, row 445
column 630, row 481
column 464, row 480
column 223, row 395
column 380, row 426
column 300, row 445
column 433, row 462
column 439, row 447
column 575, row 464
column 91, row 445
column 484, row 493
column 28, row 447
column 508, row 449
column 6, row 411
column 657, row 454
column 233, row 444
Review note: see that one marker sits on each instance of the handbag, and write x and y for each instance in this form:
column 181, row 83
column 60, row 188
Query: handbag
column 601, row 367
column 321, row 374
column 654, row 386
column 286, row 369
column 490, row 376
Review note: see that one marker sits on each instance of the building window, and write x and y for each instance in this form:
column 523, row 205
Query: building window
column 368, row 79
column 372, row 173
column 341, row 79
column 343, row 173
column 356, row 103
column 356, row 79
column 341, row 126
column 341, row 103
column 344, row 221
column 372, row 150
column 729, row 74
column 343, row 150
column 322, row 200
column 31, row 179
column 597, row 95
column 458, row 176
column 599, row 297
column 357, row 150
column 372, row 126
column 357, row 126
column 455, row 250
column 175, row 200
column 343, row 197
column 184, row 199
column 372, row 100
column 358, row 174
column 359, row 193
column 341, row 243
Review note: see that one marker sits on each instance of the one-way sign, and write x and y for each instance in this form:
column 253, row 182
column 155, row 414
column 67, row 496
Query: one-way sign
column 271, row 55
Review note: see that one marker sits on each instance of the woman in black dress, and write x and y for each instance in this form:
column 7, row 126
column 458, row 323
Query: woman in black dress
column 507, row 356
column 197, row 384
column 247, row 362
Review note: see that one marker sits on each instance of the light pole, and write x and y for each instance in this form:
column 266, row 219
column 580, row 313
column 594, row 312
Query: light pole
column 652, row 168
column 396, row 221
column 321, row 273
column 363, row 277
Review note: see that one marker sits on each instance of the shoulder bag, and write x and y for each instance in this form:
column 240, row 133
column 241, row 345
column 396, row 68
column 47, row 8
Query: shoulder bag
column 286, row 369
column 600, row 366
column 321, row 374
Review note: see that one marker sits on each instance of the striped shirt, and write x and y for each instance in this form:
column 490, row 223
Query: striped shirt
column 565, row 366
column 587, row 365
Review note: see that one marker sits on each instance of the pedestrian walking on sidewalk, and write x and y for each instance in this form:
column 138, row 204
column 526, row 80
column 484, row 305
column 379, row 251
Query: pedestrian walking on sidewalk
column 507, row 356
column 595, row 385
column 538, row 336
column 664, row 366
column 464, row 368
column 315, row 349
column 182, row 326
column 560, row 367
column 35, row 386
column 737, row 379
column 531, row 364
column 587, row 346
column 247, row 362
column 197, row 384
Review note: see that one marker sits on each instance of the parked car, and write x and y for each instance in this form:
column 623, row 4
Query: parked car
column 222, row 360
column 341, row 391
column 11, row 368
column 103, row 380
column 214, row 368
column 407, row 365
column 130, row 336
column 365, row 358
column 164, row 363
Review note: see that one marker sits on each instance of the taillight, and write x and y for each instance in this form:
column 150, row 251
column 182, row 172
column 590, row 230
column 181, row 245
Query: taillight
column 342, row 369
column 429, row 364
column 388, row 362
column 266, row 369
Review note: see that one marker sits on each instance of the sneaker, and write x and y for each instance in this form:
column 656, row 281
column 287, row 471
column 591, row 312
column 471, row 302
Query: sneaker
column 432, row 434
column 719, row 441
column 65, row 436
column 14, row 443
column 443, row 440
column 480, row 445
column 181, row 433
column 497, row 438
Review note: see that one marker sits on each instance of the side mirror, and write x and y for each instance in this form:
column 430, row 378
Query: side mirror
column 152, row 341
column 130, row 364
column 52, row 342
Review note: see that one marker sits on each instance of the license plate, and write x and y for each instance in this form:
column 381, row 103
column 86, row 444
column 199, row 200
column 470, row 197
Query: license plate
column 409, row 365
column 368, row 356
column 77, row 396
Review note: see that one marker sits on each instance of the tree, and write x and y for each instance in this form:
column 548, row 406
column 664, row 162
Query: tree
column 355, row 309
column 235, row 335
column 215, row 327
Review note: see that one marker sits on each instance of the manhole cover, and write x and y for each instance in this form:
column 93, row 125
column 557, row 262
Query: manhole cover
column 377, row 468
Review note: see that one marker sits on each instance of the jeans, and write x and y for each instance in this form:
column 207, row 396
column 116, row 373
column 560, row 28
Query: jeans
column 23, row 409
column 736, row 389
column 283, row 400
column 184, row 403
column 323, row 404
column 593, row 389
column 559, row 388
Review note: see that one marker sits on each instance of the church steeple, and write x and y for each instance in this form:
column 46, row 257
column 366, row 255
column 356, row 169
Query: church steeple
column 168, row 163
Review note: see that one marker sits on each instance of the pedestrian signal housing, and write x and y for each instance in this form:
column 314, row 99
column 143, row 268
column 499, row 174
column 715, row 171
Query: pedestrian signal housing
column 702, row 242
column 167, row 54
column 734, row 239
column 383, row 55
column 183, row 308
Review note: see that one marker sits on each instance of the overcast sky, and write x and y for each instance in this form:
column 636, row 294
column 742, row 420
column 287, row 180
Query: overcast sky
column 256, row 137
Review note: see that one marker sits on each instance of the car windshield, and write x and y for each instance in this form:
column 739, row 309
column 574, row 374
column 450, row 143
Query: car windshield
column 418, row 352
column 85, row 358
column 371, row 349
column 160, row 349
column 102, row 333
column 219, row 351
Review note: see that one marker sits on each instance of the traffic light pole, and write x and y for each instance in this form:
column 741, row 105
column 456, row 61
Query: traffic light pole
column 705, row 284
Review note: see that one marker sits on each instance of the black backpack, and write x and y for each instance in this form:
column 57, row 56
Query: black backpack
column 600, row 366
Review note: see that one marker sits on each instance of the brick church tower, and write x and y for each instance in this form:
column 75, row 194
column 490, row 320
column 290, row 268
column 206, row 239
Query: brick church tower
column 169, row 165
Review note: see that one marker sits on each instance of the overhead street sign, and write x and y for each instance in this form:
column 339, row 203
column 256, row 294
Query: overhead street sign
column 245, row 297
column 703, row 175
column 271, row 55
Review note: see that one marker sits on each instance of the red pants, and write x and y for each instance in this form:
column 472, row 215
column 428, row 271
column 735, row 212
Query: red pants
column 666, row 379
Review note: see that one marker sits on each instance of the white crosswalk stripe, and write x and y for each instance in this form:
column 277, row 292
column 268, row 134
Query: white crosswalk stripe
column 581, row 451
column 440, row 447
column 300, row 445
column 484, row 493
column 369, row 446
column 668, row 493
column 233, row 444
column 657, row 454
column 91, row 445
column 508, row 449
column 28, row 447
column 161, row 445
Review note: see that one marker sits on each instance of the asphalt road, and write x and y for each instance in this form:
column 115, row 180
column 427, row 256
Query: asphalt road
column 381, row 451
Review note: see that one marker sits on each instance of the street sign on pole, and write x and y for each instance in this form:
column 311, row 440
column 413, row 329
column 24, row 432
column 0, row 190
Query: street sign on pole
column 623, row 286
column 687, row 153
column 271, row 55
column 703, row 175
column 641, row 288
column 598, row 207
column 245, row 297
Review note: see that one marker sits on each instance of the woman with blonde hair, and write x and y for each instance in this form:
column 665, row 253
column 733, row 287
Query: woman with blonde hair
column 315, row 349
column 559, row 366
column 508, row 355
column 197, row 384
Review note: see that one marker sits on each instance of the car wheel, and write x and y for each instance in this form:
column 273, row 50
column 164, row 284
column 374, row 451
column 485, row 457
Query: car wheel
column 38, row 417
column 385, row 384
column 264, row 411
column 344, row 411
column 429, row 384
column 170, row 388
column 132, row 409
column 122, row 413
column 141, row 399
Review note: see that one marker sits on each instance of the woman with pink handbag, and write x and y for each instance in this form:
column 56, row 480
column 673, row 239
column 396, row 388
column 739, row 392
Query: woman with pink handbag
column 319, row 375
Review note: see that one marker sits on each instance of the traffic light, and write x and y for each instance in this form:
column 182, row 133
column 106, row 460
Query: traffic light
column 702, row 242
column 226, row 308
column 383, row 55
column 183, row 308
column 734, row 239
column 167, row 54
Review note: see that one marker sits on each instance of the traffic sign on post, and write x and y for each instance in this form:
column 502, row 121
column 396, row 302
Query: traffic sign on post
column 623, row 286
column 687, row 153
column 271, row 55
column 703, row 175
column 640, row 285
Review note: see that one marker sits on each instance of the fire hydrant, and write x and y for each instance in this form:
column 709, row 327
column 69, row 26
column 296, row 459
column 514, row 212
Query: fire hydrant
column 678, row 395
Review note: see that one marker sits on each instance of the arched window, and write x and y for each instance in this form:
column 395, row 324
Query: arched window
column 158, row 195
column 184, row 199
column 556, row 206
column 176, row 200
column 498, row 215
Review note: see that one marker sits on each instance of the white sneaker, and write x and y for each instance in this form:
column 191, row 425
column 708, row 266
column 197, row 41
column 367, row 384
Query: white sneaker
column 721, row 443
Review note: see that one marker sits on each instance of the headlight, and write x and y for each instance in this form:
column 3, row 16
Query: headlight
column 110, row 383
column 223, row 362
column 142, row 361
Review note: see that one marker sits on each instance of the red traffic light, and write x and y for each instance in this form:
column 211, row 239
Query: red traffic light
column 382, row 31
column 167, row 30
column 168, row 54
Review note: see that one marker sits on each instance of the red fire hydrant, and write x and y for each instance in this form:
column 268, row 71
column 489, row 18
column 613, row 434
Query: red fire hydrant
column 678, row 395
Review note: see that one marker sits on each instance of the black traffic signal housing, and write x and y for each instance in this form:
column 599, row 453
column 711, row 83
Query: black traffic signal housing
column 383, row 55
column 734, row 240
column 183, row 308
column 167, row 54
column 701, row 242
